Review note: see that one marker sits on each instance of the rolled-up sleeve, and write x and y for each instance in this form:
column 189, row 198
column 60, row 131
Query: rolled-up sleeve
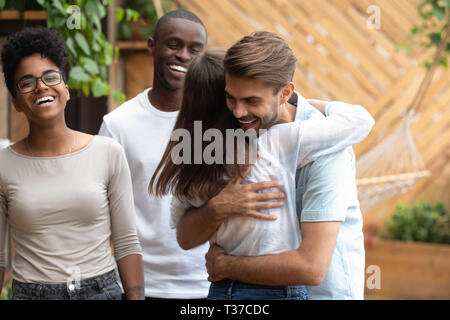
column 329, row 188
column 121, row 204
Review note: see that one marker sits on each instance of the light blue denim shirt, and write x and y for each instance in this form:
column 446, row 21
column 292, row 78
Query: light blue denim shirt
column 326, row 191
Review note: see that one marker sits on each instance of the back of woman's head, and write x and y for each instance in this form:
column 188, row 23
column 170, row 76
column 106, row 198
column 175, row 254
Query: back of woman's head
column 28, row 41
column 204, row 90
column 203, row 100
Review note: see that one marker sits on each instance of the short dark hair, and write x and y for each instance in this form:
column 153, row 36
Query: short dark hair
column 26, row 42
column 177, row 14
column 262, row 55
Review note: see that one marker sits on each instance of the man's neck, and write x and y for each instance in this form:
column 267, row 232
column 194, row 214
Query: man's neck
column 287, row 114
column 165, row 100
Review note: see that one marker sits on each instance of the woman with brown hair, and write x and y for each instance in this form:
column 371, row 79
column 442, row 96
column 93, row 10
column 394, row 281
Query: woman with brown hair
column 203, row 100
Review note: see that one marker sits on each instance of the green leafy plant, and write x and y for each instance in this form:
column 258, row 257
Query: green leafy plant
column 19, row 5
column 90, row 53
column 143, row 27
column 6, row 294
column 422, row 222
column 432, row 31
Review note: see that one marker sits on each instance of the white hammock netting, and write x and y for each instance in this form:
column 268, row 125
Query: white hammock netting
column 390, row 168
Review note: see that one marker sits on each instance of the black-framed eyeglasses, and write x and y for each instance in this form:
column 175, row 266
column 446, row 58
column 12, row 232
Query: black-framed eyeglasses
column 29, row 83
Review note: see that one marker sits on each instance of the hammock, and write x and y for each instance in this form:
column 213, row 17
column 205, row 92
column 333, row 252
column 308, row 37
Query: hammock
column 395, row 165
column 390, row 168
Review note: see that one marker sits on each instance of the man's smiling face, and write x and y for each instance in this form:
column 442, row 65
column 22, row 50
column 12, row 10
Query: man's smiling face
column 253, row 104
column 176, row 43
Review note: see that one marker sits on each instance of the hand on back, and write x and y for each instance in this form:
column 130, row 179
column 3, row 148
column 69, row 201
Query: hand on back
column 244, row 200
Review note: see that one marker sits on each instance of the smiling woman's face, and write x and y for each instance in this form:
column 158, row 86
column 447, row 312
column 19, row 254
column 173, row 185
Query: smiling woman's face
column 44, row 103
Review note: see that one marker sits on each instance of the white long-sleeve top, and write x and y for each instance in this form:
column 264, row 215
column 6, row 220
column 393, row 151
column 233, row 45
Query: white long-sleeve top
column 62, row 211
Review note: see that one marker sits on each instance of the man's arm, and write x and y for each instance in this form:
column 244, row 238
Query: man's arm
column 197, row 225
column 344, row 125
column 329, row 188
column 307, row 265
column 318, row 104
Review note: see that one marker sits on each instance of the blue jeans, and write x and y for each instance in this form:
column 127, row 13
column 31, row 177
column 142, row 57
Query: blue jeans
column 103, row 287
column 236, row 290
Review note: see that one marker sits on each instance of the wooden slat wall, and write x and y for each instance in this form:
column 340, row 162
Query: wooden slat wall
column 138, row 67
column 340, row 58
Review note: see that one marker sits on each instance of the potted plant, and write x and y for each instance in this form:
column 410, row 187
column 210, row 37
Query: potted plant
column 142, row 28
column 412, row 249
column 23, row 10
column 90, row 53
column 412, row 252
column 19, row 5
column 6, row 294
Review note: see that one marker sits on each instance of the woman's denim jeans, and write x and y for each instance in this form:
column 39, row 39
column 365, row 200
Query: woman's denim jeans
column 235, row 290
column 103, row 287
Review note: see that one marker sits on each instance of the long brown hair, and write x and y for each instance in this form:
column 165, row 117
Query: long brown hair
column 203, row 100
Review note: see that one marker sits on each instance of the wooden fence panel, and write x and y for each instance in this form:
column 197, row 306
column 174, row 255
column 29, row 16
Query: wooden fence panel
column 341, row 58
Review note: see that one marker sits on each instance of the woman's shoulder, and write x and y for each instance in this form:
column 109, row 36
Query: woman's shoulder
column 8, row 153
column 4, row 152
column 108, row 144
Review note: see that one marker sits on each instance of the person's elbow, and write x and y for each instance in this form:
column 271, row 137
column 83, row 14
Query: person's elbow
column 318, row 276
column 311, row 273
column 185, row 242
column 367, row 122
column 370, row 122
column 314, row 275
column 185, row 245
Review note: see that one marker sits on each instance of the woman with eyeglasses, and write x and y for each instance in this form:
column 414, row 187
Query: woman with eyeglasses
column 63, row 193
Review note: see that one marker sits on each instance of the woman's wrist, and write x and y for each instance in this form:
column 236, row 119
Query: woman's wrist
column 135, row 293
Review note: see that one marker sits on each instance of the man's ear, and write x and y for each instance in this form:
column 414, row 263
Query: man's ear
column 16, row 105
column 286, row 92
column 151, row 45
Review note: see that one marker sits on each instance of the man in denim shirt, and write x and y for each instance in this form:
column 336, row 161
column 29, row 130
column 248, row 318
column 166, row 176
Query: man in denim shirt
column 325, row 192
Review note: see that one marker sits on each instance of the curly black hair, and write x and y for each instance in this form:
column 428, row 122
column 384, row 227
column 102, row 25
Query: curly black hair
column 26, row 42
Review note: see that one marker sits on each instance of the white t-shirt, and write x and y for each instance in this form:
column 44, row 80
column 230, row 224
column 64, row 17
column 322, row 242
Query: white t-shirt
column 144, row 132
column 285, row 147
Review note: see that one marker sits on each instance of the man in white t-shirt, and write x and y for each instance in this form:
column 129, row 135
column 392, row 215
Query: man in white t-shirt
column 143, row 126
